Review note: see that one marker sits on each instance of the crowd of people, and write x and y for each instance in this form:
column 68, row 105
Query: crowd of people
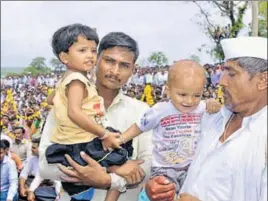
column 31, row 91
column 157, row 99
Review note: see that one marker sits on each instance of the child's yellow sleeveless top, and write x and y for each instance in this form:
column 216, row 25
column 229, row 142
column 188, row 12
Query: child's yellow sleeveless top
column 66, row 131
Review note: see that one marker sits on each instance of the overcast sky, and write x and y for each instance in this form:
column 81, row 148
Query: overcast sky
column 27, row 27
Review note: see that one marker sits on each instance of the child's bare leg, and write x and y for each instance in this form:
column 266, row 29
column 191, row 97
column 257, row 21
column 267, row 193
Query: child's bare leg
column 112, row 195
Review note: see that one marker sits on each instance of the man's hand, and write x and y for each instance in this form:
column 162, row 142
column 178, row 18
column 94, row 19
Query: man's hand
column 213, row 106
column 31, row 196
column 130, row 171
column 187, row 197
column 160, row 189
column 92, row 174
column 23, row 191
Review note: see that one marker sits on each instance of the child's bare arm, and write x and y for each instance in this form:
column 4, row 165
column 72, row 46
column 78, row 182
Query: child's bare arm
column 76, row 95
column 50, row 98
column 131, row 133
column 112, row 195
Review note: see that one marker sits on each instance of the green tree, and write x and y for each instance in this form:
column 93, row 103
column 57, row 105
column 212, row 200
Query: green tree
column 263, row 19
column 38, row 62
column 57, row 65
column 34, row 71
column 234, row 11
column 158, row 58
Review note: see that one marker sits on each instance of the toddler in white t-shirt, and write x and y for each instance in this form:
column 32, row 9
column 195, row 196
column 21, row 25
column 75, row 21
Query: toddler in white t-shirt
column 176, row 123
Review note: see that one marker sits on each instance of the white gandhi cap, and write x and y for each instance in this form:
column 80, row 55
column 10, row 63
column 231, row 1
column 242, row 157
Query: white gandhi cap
column 246, row 46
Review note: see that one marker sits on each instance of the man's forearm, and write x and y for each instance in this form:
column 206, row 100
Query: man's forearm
column 35, row 183
column 22, row 182
column 112, row 195
column 107, row 182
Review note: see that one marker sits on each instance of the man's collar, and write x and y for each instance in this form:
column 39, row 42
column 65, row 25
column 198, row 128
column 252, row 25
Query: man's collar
column 251, row 120
column 23, row 141
column 254, row 119
column 119, row 97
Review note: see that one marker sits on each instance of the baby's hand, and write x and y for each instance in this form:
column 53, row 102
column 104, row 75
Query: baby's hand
column 112, row 141
column 213, row 106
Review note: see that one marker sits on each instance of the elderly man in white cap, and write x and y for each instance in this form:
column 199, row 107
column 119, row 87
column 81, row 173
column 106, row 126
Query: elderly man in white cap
column 231, row 162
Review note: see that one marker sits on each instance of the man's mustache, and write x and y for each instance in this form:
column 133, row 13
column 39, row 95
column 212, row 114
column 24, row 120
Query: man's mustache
column 113, row 77
column 224, row 91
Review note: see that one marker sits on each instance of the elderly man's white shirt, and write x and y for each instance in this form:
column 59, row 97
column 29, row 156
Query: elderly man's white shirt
column 123, row 112
column 234, row 170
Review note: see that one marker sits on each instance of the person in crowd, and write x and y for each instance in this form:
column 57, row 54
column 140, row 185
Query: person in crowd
column 21, row 146
column 30, row 181
column 9, row 176
column 13, row 156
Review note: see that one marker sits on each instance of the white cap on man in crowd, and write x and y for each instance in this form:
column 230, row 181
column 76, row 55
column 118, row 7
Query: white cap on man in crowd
column 245, row 46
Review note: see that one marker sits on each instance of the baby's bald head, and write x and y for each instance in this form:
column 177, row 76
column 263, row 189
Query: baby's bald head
column 185, row 69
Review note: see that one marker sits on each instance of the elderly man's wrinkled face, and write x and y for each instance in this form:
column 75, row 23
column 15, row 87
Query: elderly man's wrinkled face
column 114, row 67
column 239, row 88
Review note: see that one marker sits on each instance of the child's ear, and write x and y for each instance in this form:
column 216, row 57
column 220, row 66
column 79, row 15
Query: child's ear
column 63, row 56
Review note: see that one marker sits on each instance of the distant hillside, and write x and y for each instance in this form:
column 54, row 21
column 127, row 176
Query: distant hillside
column 5, row 70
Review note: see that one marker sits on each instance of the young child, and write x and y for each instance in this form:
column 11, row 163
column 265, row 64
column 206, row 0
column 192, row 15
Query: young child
column 176, row 123
column 77, row 107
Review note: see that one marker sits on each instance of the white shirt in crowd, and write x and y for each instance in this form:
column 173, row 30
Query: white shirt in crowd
column 31, row 168
column 137, row 79
column 122, row 113
column 148, row 78
column 175, row 134
column 9, row 82
column 234, row 170
column 162, row 78
column 23, row 149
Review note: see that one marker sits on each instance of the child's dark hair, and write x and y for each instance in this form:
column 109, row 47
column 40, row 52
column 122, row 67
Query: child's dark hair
column 64, row 37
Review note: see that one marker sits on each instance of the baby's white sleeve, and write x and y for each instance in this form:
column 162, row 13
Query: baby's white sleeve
column 149, row 120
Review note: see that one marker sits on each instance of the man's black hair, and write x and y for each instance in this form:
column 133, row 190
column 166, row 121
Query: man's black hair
column 119, row 39
column 20, row 127
column 36, row 140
